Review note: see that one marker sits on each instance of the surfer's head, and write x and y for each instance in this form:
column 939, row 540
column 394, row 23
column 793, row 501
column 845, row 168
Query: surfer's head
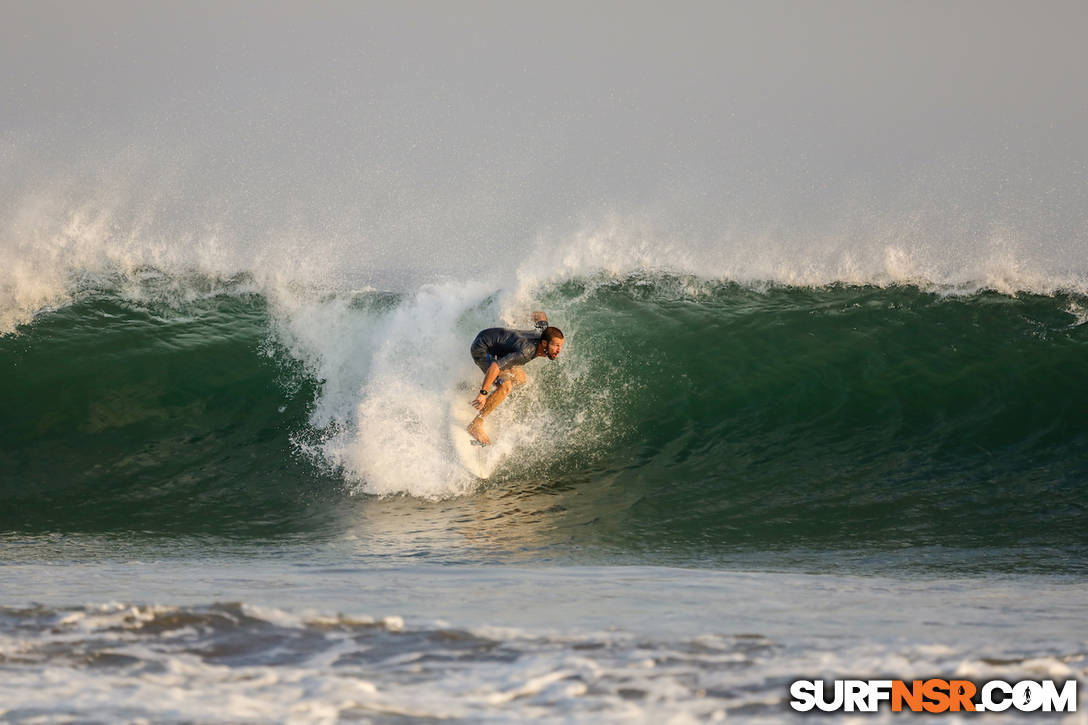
column 551, row 340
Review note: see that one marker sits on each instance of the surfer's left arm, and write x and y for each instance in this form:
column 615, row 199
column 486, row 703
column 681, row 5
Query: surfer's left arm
column 540, row 320
column 489, row 380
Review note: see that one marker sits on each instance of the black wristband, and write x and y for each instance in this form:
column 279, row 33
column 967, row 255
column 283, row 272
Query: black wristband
column 483, row 392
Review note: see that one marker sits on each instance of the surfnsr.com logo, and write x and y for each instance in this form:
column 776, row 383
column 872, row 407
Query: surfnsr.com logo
column 933, row 696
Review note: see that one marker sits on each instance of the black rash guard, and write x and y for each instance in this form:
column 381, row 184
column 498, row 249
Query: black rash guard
column 505, row 347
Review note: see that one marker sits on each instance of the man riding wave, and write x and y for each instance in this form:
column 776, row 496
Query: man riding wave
column 500, row 353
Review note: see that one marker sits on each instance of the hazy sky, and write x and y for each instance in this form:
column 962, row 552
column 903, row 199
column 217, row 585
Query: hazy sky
column 416, row 125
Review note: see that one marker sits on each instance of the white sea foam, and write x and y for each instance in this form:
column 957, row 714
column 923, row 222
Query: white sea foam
column 389, row 376
column 102, row 661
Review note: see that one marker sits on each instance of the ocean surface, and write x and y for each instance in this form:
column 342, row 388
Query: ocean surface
column 821, row 411
column 225, row 501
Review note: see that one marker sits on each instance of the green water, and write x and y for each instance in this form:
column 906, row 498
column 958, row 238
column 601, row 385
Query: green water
column 790, row 420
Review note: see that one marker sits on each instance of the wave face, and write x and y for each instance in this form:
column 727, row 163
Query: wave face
column 137, row 416
column 684, row 409
column 848, row 414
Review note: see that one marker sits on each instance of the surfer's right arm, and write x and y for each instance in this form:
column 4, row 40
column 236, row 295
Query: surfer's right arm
column 489, row 380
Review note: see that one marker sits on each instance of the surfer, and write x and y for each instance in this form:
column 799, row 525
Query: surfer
column 500, row 353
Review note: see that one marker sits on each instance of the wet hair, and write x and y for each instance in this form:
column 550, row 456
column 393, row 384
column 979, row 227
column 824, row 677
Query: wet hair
column 551, row 333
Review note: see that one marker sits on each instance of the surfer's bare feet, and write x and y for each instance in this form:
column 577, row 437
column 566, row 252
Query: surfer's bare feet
column 476, row 430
